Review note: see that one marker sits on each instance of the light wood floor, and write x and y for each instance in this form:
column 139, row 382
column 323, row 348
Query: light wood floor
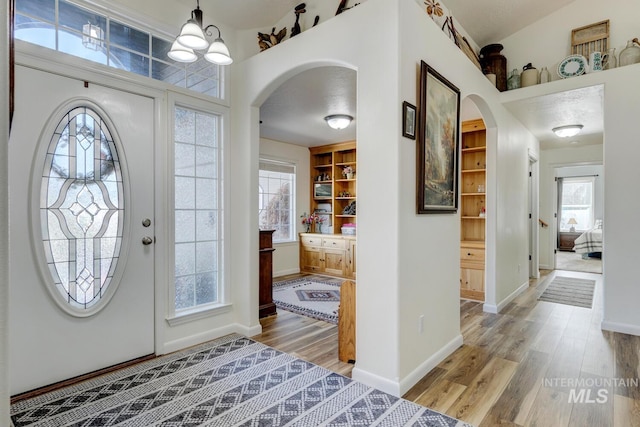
column 498, row 376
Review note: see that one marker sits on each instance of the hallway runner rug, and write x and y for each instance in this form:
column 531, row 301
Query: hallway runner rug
column 231, row 381
column 318, row 299
column 570, row 291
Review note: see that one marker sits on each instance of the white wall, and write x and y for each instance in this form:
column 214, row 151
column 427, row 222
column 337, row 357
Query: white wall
column 548, row 41
column 621, row 110
column 4, row 215
column 415, row 269
column 286, row 256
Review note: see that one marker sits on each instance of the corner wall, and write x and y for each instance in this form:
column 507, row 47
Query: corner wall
column 4, row 215
column 429, row 245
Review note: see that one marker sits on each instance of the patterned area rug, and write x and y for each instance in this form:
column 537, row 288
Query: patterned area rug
column 570, row 291
column 309, row 297
column 232, row 381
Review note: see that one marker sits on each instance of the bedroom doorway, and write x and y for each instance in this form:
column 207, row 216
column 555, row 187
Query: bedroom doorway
column 579, row 210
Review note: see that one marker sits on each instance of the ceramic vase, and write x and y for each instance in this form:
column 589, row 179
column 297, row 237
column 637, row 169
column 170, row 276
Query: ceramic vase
column 492, row 62
column 630, row 54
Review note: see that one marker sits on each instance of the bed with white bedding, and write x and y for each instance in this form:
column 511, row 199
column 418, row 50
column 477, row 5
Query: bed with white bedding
column 590, row 241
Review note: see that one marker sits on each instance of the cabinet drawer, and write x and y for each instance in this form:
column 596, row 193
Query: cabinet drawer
column 471, row 254
column 329, row 242
column 311, row 241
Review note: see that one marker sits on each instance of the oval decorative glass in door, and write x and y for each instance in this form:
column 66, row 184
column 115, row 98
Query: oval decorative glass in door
column 81, row 208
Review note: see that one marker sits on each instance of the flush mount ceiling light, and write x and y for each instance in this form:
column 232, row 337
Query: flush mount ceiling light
column 192, row 37
column 338, row 121
column 567, row 131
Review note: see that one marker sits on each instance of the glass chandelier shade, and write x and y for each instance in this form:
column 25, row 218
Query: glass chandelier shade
column 182, row 53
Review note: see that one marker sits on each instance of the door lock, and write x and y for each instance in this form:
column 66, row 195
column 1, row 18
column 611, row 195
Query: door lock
column 146, row 240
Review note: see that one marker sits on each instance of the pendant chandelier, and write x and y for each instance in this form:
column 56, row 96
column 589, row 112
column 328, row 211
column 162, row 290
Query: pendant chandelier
column 193, row 37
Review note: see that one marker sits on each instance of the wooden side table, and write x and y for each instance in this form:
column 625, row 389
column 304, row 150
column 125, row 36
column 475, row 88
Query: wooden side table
column 265, row 296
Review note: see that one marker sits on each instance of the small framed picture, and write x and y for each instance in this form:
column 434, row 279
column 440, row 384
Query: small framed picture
column 408, row 120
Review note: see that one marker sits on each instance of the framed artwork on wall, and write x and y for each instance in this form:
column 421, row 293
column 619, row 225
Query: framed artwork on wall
column 408, row 120
column 437, row 145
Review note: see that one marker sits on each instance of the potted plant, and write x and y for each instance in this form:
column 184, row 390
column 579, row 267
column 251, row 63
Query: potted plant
column 348, row 172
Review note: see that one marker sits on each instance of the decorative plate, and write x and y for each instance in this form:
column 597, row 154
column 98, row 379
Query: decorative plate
column 572, row 65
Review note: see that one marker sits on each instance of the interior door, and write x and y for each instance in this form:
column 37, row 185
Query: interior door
column 48, row 343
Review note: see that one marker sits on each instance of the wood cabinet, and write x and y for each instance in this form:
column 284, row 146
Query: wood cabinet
column 347, row 322
column 473, row 164
column 332, row 192
column 566, row 240
column 265, row 295
column 327, row 254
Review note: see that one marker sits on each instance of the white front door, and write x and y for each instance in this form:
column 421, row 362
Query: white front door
column 62, row 322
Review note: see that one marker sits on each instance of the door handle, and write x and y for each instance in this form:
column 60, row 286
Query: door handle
column 146, row 240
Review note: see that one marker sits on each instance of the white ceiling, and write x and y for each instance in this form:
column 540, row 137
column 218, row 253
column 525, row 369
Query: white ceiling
column 579, row 106
column 294, row 112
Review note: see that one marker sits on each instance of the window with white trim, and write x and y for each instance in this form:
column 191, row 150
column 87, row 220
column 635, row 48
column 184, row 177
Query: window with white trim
column 276, row 199
column 577, row 204
column 198, row 209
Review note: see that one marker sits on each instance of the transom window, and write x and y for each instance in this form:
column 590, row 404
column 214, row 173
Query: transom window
column 80, row 31
column 82, row 208
column 276, row 200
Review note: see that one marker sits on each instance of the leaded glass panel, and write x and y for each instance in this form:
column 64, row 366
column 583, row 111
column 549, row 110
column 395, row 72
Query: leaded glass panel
column 82, row 208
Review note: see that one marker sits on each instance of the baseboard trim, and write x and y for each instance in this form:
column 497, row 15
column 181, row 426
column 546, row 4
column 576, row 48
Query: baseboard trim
column 212, row 334
column 376, row 381
column 399, row 388
column 425, row 367
column 623, row 328
column 281, row 273
column 495, row 309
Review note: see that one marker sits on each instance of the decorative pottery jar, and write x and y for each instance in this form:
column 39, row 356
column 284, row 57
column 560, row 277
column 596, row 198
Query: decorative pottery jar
column 529, row 76
column 492, row 62
column 630, row 54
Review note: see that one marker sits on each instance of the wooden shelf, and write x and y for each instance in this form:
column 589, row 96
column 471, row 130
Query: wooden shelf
column 474, row 149
column 329, row 162
column 478, row 244
column 472, row 226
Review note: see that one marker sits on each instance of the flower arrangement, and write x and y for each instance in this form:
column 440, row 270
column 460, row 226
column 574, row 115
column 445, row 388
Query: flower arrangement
column 311, row 220
column 347, row 171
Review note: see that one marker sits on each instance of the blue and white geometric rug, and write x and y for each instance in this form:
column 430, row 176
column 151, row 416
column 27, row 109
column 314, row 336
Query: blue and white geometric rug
column 318, row 299
column 231, row 381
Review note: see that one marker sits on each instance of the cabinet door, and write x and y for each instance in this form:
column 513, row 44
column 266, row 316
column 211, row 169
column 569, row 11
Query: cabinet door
column 334, row 261
column 310, row 259
column 351, row 259
column 472, row 283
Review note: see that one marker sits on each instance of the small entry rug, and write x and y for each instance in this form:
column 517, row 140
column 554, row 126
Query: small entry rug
column 570, row 291
column 314, row 298
column 231, row 381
